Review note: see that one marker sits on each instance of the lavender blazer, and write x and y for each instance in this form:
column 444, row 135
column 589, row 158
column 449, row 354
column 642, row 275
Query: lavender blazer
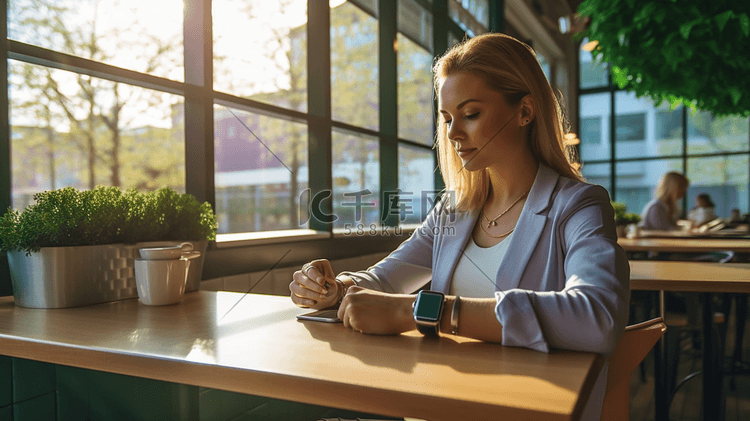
column 570, row 279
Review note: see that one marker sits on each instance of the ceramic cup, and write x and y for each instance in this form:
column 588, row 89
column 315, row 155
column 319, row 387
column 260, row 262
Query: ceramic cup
column 161, row 282
column 634, row 231
column 165, row 252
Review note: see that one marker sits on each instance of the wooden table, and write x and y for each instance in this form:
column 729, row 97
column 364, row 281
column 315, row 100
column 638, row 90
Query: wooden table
column 655, row 275
column 259, row 348
column 685, row 244
column 702, row 277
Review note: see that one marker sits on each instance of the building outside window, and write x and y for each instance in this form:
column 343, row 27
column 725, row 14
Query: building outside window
column 127, row 129
column 650, row 140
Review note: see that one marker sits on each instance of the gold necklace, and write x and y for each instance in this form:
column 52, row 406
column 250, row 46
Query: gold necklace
column 493, row 222
column 496, row 236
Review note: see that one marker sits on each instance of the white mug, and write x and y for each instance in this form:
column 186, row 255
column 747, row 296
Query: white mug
column 165, row 252
column 161, row 282
column 634, row 231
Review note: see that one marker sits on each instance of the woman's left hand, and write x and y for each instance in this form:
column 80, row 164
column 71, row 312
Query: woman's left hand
column 377, row 313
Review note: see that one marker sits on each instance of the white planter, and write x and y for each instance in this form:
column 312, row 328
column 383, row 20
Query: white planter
column 58, row 277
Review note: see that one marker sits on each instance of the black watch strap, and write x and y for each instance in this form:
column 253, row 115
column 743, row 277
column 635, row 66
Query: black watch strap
column 429, row 330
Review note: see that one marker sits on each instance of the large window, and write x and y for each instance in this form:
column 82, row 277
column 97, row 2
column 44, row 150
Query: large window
column 473, row 16
column 356, row 186
column 261, row 171
column 414, row 73
column 415, row 180
column 259, row 107
column 260, row 50
column 354, row 66
column 594, row 117
column 724, row 178
column 707, row 134
column 73, row 130
column 593, row 73
column 145, row 36
column 650, row 139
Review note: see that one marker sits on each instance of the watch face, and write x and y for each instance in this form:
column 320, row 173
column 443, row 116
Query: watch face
column 428, row 306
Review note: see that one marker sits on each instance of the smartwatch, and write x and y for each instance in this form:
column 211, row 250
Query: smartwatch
column 428, row 309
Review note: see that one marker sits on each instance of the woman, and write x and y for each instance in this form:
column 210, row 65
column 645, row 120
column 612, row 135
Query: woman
column 530, row 249
column 663, row 211
column 703, row 211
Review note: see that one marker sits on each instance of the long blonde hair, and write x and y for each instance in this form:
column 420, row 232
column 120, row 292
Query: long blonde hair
column 510, row 67
column 668, row 190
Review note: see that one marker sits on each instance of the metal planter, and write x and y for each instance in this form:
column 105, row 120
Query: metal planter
column 58, row 277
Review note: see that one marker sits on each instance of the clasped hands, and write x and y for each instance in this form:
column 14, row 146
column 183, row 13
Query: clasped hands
column 364, row 310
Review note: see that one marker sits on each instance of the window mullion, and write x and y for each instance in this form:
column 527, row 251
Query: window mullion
column 387, row 70
column 497, row 16
column 439, row 45
column 320, row 161
column 199, row 120
column 612, row 145
column 5, row 185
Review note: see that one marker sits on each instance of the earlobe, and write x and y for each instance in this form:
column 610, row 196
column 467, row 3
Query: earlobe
column 527, row 110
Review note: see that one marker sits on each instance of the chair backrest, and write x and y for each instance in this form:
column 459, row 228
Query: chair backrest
column 636, row 342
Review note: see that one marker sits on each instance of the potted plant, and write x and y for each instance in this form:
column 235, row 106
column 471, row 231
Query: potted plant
column 623, row 218
column 74, row 247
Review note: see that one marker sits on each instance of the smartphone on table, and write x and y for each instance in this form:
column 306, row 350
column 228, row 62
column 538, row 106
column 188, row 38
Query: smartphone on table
column 327, row 316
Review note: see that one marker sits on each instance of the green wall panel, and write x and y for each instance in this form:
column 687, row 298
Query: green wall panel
column 6, row 381
column 125, row 398
column 98, row 396
column 220, row 405
column 31, row 379
column 41, row 408
column 6, row 412
column 72, row 394
column 275, row 409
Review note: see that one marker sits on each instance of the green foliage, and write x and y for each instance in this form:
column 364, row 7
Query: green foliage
column 629, row 218
column 683, row 52
column 622, row 216
column 620, row 209
column 106, row 215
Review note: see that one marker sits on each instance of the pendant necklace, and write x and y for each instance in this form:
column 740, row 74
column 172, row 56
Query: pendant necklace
column 493, row 222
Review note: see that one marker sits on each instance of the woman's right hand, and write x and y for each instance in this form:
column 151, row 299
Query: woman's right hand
column 314, row 285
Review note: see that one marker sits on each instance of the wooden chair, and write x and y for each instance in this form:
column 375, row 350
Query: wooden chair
column 636, row 342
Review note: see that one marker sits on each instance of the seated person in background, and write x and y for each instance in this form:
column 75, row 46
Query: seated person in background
column 527, row 248
column 703, row 211
column 663, row 211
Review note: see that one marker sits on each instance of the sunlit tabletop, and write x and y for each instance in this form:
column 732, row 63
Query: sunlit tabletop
column 253, row 344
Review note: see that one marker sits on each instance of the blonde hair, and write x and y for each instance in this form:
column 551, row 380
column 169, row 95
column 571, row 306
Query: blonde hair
column 510, row 67
column 668, row 189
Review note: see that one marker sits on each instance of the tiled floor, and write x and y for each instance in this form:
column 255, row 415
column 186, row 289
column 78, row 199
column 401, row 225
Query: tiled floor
column 686, row 404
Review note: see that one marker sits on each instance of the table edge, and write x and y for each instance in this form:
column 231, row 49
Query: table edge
column 278, row 386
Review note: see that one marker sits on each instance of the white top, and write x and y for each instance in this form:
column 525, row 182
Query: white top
column 476, row 271
column 701, row 215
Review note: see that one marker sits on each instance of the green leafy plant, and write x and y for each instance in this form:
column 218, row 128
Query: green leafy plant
column 684, row 52
column 106, row 215
column 620, row 209
column 622, row 216
column 629, row 218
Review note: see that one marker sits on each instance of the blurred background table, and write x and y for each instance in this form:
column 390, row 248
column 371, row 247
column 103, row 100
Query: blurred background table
column 702, row 277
